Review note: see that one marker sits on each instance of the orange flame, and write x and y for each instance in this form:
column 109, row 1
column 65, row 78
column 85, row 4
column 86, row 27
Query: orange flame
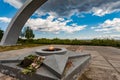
column 51, row 48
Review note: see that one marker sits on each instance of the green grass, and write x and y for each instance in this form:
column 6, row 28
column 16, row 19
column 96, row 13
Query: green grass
column 94, row 42
column 44, row 41
column 8, row 48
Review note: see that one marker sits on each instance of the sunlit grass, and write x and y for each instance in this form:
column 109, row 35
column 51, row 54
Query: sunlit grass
column 8, row 48
column 40, row 42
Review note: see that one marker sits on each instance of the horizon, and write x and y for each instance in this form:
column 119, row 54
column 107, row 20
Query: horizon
column 83, row 20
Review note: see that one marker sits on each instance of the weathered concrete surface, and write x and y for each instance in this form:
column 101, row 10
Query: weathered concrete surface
column 13, row 31
column 99, row 69
column 104, row 65
column 14, row 53
column 60, row 61
column 54, row 64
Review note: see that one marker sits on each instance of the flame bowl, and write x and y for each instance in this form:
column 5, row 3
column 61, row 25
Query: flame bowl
column 47, row 51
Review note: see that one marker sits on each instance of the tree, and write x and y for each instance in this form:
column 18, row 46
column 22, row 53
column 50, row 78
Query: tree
column 21, row 35
column 1, row 34
column 29, row 33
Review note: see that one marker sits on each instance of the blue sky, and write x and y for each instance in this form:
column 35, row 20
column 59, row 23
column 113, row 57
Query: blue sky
column 75, row 19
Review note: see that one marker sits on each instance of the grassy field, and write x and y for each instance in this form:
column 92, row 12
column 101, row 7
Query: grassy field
column 93, row 42
column 44, row 41
column 7, row 48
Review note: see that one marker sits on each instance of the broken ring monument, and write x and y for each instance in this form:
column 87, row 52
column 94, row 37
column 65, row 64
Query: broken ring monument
column 47, row 63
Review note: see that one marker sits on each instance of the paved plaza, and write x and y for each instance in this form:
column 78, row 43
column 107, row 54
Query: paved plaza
column 105, row 63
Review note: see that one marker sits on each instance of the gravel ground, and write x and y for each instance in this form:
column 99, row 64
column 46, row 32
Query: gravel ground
column 104, row 65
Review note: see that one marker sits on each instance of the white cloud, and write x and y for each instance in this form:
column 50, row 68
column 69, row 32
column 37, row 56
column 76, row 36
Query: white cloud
column 108, row 26
column 48, row 25
column 69, row 7
column 14, row 3
column 106, row 8
column 111, row 36
column 115, row 36
column 106, row 36
column 5, row 19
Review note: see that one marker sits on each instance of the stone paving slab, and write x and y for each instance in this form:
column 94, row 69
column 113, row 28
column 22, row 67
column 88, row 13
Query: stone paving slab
column 1, row 74
column 102, row 66
column 115, row 63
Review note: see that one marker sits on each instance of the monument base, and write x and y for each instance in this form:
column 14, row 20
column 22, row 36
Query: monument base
column 54, row 67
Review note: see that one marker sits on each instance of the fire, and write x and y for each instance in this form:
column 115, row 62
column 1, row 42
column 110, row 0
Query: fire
column 51, row 48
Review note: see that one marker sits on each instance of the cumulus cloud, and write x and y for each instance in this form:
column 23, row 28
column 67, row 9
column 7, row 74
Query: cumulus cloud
column 106, row 8
column 116, row 37
column 108, row 26
column 5, row 19
column 69, row 7
column 48, row 25
column 15, row 3
column 113, row 36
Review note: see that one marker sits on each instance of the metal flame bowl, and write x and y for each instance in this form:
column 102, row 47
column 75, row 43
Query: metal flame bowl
column 47, row 51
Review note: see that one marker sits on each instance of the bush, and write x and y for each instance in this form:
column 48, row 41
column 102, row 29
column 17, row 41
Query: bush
column 95, row 42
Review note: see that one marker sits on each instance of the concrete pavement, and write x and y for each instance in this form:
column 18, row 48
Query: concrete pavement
column 105, row 63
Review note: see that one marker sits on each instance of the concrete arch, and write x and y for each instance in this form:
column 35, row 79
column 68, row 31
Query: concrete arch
column 11, row 35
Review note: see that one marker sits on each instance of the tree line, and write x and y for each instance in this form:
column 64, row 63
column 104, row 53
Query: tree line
column 93, row 42
column 27, row 35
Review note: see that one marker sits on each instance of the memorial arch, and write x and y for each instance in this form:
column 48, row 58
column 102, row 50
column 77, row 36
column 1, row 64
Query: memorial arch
column 11, row 35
